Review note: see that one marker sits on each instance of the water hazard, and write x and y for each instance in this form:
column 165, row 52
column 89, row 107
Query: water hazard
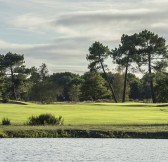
column 98, row 150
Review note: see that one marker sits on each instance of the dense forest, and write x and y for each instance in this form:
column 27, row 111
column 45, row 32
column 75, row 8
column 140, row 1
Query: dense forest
column 144, row 53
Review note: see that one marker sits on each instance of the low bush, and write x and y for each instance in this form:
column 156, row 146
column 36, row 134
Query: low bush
column 45, row 119
column 6, row 121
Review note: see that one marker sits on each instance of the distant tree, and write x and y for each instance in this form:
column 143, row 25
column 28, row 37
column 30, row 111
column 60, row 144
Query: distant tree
column 44, row 92
column 74, row 92
column 42, row 88
column 152, row 51
column 68, row 82
column 161, row 86
column 15, row 70
column 2, row 75
column 94, row 87
column 35, row 75
column 135, row 87
column 43, row 72
column 145, row 89
column 97, row 54
column 118, row 80
column 125, row 55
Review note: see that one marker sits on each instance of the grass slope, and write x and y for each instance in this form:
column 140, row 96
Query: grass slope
column 90, row 113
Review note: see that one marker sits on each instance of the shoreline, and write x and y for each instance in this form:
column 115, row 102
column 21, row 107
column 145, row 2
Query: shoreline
column 88, row 131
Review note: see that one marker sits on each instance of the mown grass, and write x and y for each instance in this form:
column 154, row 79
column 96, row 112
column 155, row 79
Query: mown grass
column 123, row 128
column 90, row 113
column 86, row 131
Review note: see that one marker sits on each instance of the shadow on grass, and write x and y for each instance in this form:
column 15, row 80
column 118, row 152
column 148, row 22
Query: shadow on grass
column 123, row 105
column 14, row 102
column 131, row 105
column 137, row 105
column 163, row 105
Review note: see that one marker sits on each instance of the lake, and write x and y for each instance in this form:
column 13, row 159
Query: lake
column 83, row 149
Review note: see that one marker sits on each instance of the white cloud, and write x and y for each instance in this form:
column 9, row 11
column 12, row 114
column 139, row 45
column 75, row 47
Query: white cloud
column 29, row 22
column 70, row 27
column 100, row 23
column 12, row 46
column 59, row 56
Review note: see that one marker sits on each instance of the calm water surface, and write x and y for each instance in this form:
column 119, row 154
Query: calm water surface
column 98, row 150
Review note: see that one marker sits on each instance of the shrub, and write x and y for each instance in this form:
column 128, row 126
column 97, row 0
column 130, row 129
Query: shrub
column 61, row 120
column 45, row 119
column 6, row 121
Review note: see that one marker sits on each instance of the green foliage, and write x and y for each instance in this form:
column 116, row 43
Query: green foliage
column 126, row 53
column 151, row 44
column 94, row 87
column 145, row 87
column 69, row 83
column 44, row 92
column 15, row 80
column 74, row 93
column 144, row 48
column 13, row 59
column 160, row 66
column 97, row 54
column 43, row 72
column 153, row 53
column 136, row 88
column 42, row 88
column 161, row 87
column 118, row 80
column 45, row 119
column 6, row 121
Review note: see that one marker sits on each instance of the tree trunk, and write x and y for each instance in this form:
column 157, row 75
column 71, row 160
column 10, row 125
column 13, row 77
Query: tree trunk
column 151, row 80
column 111, row 87
column 125, row 83
column 13, row 85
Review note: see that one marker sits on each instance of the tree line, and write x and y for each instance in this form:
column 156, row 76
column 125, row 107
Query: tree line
column 145, row 53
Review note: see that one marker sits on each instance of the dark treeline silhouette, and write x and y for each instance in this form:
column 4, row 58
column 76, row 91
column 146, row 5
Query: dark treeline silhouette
column 145, row 53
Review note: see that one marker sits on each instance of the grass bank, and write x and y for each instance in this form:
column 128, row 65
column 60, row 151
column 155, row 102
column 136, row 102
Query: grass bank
column 130, row 120
column 86, row 131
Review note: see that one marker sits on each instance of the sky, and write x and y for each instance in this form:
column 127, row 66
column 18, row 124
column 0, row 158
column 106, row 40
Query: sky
column 59, row 32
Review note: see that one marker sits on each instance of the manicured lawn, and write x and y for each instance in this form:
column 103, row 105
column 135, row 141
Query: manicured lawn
column 90, row 113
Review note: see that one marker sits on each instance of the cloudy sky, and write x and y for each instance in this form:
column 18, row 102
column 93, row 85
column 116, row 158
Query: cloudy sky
column 59, row 32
